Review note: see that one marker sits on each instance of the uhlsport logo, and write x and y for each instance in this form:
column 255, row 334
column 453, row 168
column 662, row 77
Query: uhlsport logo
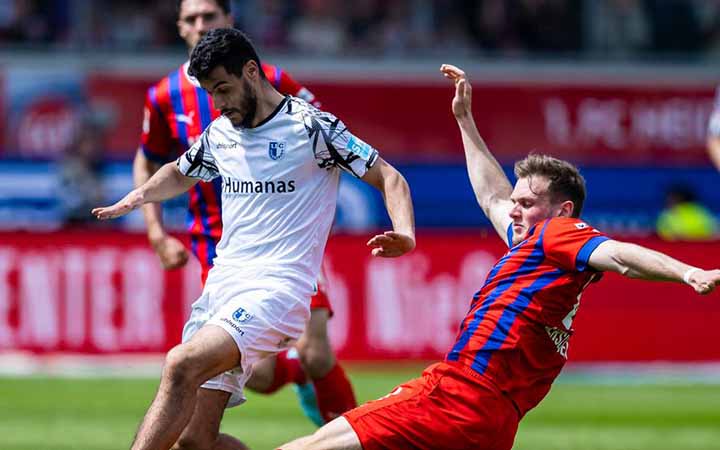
column 240, row 315
column 276, row 150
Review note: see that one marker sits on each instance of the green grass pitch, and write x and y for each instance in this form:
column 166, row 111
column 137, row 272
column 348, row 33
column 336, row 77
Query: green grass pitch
column 102, row 414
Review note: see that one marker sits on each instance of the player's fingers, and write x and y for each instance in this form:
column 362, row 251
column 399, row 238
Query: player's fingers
column 378, row 240
column 100, row 213
column 452, row 69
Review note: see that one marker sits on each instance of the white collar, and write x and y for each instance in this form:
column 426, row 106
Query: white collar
column 190, row 78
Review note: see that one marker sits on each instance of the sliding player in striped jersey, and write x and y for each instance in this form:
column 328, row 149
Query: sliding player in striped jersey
column 514, row 340
column 177, row 111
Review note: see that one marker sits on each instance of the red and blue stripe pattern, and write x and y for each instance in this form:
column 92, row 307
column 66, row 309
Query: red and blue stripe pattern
column 531, row 289
column 187, row 110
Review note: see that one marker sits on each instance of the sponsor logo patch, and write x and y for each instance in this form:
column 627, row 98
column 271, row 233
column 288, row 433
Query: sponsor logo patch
column 359, row 148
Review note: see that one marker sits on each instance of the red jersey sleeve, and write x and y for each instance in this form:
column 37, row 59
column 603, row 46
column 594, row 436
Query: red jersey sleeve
column 286, row 85
column 568, row 243
column 156, row 137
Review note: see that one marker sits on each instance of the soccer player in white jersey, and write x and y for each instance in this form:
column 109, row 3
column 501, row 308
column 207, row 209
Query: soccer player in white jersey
column 280, row 160
column 713, row 132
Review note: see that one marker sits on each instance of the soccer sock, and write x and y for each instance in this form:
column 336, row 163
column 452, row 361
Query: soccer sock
column 334, row 393
column 287, row 370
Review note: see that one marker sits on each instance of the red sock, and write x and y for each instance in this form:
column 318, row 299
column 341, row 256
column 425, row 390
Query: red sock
column 334, row 393
column 287, row 370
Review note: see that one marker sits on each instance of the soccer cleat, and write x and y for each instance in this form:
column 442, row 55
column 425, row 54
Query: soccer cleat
column 308, row 402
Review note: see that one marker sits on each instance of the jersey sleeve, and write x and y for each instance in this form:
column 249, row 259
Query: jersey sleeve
column 334, row 145
column 714, row 123
column 156, row 138
column 568, row 243
column 198, row 161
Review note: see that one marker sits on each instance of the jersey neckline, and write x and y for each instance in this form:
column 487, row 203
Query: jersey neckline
column 269, row 117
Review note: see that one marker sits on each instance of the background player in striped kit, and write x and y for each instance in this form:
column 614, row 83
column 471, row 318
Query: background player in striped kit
column 514, row 340
column 177, row 110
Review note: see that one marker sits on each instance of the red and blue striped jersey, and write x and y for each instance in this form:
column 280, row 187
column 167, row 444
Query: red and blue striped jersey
column 516, row 332
column 177, row 111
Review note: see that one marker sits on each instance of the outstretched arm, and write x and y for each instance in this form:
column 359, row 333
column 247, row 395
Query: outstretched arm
column 635, row 261
column 491, row 186
column 396, row 193
column 166, row 183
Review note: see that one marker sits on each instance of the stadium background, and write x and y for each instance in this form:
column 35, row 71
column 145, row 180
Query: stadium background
column 623, row 88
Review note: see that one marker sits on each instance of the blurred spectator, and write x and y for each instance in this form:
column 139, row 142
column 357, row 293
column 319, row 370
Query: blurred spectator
column 547, row 26
column 627, row 28
column 684, row 218
column 319, row 31
column 675, row 26
column 492, row 25
column 80, row 173
column 616, row 27
column 266, row 21
column 25, row 21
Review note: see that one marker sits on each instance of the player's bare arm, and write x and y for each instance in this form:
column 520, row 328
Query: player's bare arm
column 713, row 147
column 635, row 261
column 396, row 193
column 171, row 251
column 166, row 183
column 491, row 186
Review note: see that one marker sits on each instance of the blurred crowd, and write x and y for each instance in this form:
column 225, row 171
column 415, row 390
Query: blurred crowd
column 508, row 28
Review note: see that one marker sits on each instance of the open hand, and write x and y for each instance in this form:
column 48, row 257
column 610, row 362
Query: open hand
column 391, row 244
column 462, row 102
column 130, row 202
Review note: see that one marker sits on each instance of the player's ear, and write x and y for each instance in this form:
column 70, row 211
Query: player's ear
column 566, row 209
column 251, row 70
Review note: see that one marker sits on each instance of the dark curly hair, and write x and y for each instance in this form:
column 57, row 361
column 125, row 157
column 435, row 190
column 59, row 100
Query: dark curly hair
column 223, row 4
column 226, row 47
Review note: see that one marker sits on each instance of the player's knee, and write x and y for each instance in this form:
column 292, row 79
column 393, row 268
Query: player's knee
column 181, row 366
column 316, row 358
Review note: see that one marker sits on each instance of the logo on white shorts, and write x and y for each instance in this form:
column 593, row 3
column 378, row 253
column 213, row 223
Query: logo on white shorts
column 240, row 315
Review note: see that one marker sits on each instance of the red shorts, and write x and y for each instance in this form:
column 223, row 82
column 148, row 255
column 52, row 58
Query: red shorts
column 446, row 408
column 318, row 301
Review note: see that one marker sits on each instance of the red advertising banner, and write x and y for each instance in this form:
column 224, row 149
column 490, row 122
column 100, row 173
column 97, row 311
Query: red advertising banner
column 590, row 123
column 98, row 292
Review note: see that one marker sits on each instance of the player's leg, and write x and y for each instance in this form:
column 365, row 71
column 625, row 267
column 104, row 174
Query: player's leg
column 203, row 430
column 209, row 352
column 331, row 387
column 336, row 435
column 274, row 372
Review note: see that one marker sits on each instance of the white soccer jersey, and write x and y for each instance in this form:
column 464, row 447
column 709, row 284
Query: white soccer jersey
column 279, row 188
column 714, row 123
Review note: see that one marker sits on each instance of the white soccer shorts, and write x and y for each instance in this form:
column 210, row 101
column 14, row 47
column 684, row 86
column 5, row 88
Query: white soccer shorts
column 262, row 312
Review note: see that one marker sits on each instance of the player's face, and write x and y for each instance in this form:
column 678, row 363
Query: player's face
column 531, row 204
column 234, row 96
column 197, row 17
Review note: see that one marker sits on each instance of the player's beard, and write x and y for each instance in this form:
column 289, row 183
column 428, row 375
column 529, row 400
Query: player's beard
column 249, row 105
